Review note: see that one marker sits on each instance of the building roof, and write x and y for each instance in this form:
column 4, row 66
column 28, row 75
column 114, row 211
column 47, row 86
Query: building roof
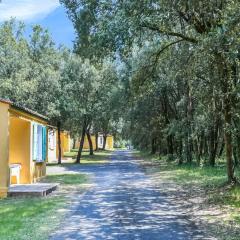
column 24, row 109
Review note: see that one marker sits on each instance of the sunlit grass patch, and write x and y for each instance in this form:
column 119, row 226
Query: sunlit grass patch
column 228, row 195
column 67, row 179
column 35, row 218
column 29, row 218
column 204, row 176
column 211, row 179
column 98, row 157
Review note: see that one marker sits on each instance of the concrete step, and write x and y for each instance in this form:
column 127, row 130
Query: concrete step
column 32, row 190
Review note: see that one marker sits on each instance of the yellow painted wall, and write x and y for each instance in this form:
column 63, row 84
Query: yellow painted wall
column 20, row 151
column 86, row 144
column 109, row 143
column 20, row 147
column 4, row 149
column 15, row 147
column 66, row 142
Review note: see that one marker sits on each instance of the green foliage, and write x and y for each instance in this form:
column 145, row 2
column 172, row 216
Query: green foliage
column 30, row 70
column 182, row 59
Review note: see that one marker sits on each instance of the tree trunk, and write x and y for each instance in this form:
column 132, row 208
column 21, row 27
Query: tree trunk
column 238, row 148
column 227, row 110
column 90, row 142
column 96, row 140
column 74, row 143
column 189, row 115
column 189, row 149
column 200, row 148
column 82, row 140
column 228, row 139
column 212, row 148
column 197, row 144
column 104, row 141
column 213, row 143
column 221, row 148
column 59, row 143
column 170, row 144
column 235, row 156
column 225, row 73
column 154, row 146
column 180, row 155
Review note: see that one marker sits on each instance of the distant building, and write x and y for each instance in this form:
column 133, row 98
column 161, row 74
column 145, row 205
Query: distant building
column 109, row 142
column 53, row 144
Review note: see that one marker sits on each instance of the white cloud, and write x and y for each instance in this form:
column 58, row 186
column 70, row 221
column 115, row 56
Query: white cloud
column 26, row 9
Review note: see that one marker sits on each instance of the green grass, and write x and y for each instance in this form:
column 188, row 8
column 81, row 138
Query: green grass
column 212, row 180
column 35, row 218
column 29, row 218
column 72, row 179
column 207, row 177
column 98, row 157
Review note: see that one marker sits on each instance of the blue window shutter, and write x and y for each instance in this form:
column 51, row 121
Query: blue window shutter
column 40, row 145
column 44, row 143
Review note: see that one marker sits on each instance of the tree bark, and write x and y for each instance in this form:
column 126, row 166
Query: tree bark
column 74, row 143
column 90, row 142
column 221, row 148
column 104, row 141
column 213, row 143
column 82, row 140
column 180, row 150
column 96, row 140
column 154, row 146
column 170, row 144
column 227, row 111
column 228, row 139
column 59, row 143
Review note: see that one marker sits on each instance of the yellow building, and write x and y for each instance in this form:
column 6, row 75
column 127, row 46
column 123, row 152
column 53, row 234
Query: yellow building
column 86, row 143
column 53, row 144
column 109, row 142
column 65, row 143
column 23, row 145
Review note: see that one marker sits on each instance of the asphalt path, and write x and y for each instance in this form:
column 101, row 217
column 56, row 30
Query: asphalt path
column 124, row 203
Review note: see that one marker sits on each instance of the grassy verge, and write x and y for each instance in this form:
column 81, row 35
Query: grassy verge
column 36, row 218
column 210, row 179
column 67, row 179
column 98, row 157
column 190, row 174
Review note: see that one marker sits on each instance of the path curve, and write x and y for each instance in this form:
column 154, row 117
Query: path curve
column 124, row 203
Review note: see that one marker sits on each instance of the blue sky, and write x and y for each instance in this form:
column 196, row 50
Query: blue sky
column 48, row 13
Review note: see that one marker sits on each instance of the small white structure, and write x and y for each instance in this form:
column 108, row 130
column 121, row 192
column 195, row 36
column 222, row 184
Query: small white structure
column 52, row 145
column 100, row 141
column 15, row 172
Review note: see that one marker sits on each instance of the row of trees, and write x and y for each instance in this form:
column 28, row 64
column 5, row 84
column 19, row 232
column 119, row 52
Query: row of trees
column 75, row 94
column 181, row 71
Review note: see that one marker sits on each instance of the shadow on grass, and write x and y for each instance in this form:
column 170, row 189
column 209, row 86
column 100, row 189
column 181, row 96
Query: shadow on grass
column 99, row 157
column 67, row 179
column 29, row 218
column 212, row 180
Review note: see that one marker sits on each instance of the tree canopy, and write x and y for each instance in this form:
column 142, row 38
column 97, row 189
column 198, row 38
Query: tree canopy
column 182, row 59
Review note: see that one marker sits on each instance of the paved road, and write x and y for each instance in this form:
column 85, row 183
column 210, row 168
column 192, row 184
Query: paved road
column 125, row 204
